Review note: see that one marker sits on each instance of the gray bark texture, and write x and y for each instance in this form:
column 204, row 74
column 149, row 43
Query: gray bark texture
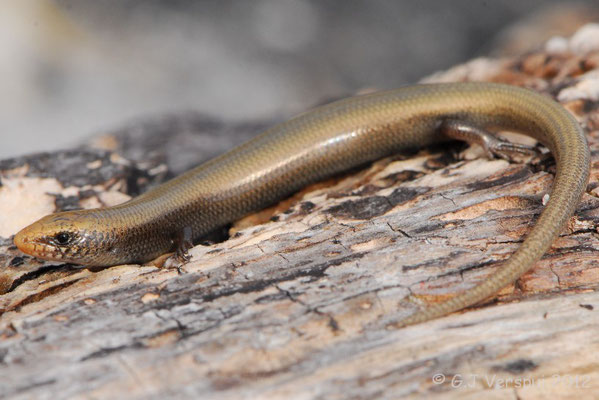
column 295, row 303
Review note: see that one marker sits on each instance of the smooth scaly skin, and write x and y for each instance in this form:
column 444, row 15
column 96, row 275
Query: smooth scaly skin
column 311, row 147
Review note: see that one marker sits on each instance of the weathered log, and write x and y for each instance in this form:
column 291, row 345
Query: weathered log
column 296, row 302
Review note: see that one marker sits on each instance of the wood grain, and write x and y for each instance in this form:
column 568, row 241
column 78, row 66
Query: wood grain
column 295, row 303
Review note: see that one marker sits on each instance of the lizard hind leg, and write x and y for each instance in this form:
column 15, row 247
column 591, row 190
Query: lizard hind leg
column 493, row 145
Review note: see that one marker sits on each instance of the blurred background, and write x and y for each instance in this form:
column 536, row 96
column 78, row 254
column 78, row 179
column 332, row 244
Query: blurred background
column 71, row 69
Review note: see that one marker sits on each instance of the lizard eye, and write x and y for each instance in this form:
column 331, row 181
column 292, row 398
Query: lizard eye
column 62, row 238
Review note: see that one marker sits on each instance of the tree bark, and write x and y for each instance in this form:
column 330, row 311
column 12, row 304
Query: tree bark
column 296, row 302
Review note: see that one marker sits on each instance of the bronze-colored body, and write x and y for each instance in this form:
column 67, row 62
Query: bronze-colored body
column 311, row 147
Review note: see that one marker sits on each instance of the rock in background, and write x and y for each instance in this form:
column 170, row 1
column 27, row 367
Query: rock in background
column 69, row 69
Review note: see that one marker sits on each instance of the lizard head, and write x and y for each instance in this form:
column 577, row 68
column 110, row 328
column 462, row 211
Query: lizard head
column 69, row 236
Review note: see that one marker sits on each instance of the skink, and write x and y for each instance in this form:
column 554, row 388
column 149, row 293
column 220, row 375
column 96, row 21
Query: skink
column 311, row 147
